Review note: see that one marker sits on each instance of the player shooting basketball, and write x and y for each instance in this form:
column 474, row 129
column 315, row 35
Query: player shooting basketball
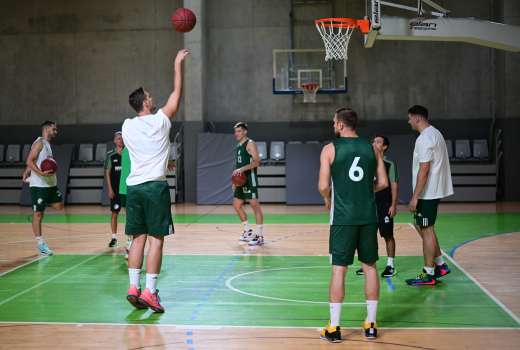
column 247, row 162
column 43, row 184
column 149, row 218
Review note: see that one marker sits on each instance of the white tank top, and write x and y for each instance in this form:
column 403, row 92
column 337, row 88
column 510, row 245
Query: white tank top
column 36, row 180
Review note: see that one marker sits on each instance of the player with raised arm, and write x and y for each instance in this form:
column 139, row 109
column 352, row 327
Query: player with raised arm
column 148, row 206
column 348, row 166
column 247, row 162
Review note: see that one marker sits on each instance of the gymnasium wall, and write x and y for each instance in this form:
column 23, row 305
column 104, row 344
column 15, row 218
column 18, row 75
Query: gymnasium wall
column 454, row 80
column 76, row 61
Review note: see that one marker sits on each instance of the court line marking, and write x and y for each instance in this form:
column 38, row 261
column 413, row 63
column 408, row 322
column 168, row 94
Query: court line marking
column 5, row 301
column 217, row 327
column 236, row 290
column 484, row 289
column 22, row 265
column 487, row 235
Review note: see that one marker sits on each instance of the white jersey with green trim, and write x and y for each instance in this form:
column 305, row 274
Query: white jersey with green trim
column 35, row 180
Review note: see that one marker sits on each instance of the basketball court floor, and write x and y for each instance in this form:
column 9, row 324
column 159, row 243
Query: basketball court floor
column 221, row 294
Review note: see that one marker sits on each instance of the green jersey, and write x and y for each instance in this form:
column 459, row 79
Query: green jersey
column 125, row 170
column 353, row 171
column 243, row 157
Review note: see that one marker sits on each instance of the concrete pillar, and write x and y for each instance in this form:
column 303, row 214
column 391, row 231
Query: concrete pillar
column 194, row 95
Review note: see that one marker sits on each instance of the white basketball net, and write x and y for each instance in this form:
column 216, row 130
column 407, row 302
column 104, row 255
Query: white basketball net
column 336, row 40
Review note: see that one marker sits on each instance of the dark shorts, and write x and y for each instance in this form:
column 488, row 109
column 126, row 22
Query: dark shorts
column 148, row 209
column 346, row 239
column 249, row 190
column 117, row 203
column 385, row 223
column 43, row 196
column 426, row 212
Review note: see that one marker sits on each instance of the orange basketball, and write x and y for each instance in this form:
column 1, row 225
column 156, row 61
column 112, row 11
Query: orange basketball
column 183, row 20
column 238, row 179
column 49, row 164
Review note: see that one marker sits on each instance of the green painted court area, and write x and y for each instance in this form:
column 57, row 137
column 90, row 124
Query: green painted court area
column 236, row 290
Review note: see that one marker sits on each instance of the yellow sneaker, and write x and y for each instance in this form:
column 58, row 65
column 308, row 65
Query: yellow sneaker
column 331, row 334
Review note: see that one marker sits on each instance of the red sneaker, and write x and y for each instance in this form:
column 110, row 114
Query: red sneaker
column 133, row 297
column 151, row 300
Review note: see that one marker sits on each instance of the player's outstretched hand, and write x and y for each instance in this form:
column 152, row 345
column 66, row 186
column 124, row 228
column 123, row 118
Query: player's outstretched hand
column 181, row 55
column 237, row 171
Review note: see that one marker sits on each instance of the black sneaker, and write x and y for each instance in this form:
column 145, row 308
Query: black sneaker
column 370, row 330
column 388, row 272
column 441, row 270
column 360, row 272
column 113, row 243
column 331, row 334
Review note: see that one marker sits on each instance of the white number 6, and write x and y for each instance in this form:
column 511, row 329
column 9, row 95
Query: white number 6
column 355, row 172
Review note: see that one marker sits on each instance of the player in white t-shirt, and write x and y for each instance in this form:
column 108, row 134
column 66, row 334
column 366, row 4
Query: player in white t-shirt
column 148, row 213
column 43, row 184
column 431, row 183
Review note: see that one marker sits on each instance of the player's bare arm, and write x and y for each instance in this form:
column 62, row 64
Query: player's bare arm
column 172, row 105
column 326, row 159
column 393, row 208
column 422, row 178
column 381, row 178
column 31, row 159
column 26, row 173
column 252, row 149
column 110, row 189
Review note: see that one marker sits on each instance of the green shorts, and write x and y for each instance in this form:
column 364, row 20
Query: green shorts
column 249, row 190
column 148, row 209
column 43, row 196
column 346, row 239
column 426, row 212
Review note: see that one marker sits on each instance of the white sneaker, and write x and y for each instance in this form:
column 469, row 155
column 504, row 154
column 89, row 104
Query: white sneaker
column 44, row 249
column 258, row 240
column 246, row 236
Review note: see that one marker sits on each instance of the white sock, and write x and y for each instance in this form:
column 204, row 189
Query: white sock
column 439, row 260
column 429, row 270
column 371, row 311
column 114, row 235
column 390, row 262
column 335, row 314
column 247, row 227
column 260, row 230
column 135, row 276
column 40, row 239
column 151, row 282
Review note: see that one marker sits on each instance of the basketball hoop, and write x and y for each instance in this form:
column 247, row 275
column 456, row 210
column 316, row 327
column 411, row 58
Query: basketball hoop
column 336, row 33
column 309, row 92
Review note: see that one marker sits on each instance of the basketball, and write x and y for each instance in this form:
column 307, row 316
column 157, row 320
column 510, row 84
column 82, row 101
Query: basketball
column 49, row 164
column 183, row 20
column 238, row 179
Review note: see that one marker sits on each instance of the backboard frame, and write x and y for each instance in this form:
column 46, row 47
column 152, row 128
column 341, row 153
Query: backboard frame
column 298, row 79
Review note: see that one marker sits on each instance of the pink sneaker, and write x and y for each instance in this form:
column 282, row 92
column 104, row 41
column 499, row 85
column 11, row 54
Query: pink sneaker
column 133, row 297
column 151, row 300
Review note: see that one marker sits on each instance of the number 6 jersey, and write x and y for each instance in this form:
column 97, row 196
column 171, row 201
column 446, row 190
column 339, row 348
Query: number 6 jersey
column 353, row 171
